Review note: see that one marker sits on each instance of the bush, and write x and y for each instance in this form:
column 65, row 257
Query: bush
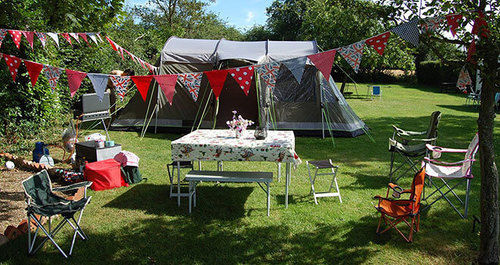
column 435, row 73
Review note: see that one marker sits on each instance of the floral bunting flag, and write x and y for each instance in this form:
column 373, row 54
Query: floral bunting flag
column 216, row 78
column 75, row 36
column 192, row 82
column 99, row 82
column 353, row 54
column 269, row 73
column 453, row 22
column 121, row 84
column 93, row 37
column 379, row 42
column 408, row 31
column 323, row 62
column 43, row 39
column 52, row 73
column 75, row 79
column 464, row 79
column 243, row 76
column 431, row 23
column 16, row 37
column 3, row 32
column 296, row 66
column 167, row 85
column 34, row 70
column 142, row 84
column 67, row 38
column 29, row 35
column 84, row 37
column 54, row 37
column 13, row 64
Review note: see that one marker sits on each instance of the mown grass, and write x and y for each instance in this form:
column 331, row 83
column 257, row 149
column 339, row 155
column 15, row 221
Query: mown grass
column 141, row 225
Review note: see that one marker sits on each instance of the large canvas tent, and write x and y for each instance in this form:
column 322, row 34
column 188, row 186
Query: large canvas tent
column 315, row 104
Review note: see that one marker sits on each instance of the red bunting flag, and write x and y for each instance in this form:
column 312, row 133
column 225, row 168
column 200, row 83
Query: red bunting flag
column 480, row 26
column 379, row 42
column 323, row 61
column 167, row 85
column 13, row 63
column 112, row 43
column 243, row 76
column 216, row 79
column 29, row 35
column 16, row 37
column 34, row 70
column 67, row 38
column 453, row 22
column 75, row 79
column 84, row 37
column 471, row 51
column 142, row 83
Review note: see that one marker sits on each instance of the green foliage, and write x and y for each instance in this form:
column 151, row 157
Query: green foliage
column 435, row 73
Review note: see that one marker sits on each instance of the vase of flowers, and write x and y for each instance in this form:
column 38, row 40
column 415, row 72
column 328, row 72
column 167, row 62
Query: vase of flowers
column 238, row 124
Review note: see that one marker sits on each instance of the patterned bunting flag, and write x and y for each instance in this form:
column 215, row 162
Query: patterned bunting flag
column 379, row 42
column 192, row 82
column 243, row 76
column 13, row 63
column 34, row 70
column 84, row 37
column 93, row 37
column 121, row 84
column 464, row 79
column 142, row 84
column 216, row 78
column 52, row 73
column 453, row 22
column 55, row 37
column 3, row 32
column 29, row 36
column 296, row 66
column 269, row 73
column 432, row 23
column 324, row 62
column 75, row 79
column 16, row 37
column 67, row 38
column 75, row 36
column 99, row 81
column 167, row 85
column 353, row 54
column 43, row 39
column 408, row 31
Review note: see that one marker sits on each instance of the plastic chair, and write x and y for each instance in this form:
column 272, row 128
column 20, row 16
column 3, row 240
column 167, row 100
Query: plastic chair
column 323, row 164
column 396, row 211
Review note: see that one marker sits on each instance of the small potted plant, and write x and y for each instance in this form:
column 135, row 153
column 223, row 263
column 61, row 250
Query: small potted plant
column 238, row 124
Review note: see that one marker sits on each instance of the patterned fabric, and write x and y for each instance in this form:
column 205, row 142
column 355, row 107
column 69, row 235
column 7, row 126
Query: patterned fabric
column 121, row 84
column 453, row 22
column 353, row 54
column 222, row 145
column 13, row 63
column 379, row 42
column 296, row 66
column 75, row 79
column 16, row 37
column 99, row 82
column 431, row 23
column 34, row 70
column 243, row 76
column 52, row 74
column 216, row 78
column 41, row 36
column 408, row 31
column 55, row 37
column 67, row 38
column 464, row 79
column 269, row 73
column 29, row 35
column 192, row 82
column 3, row 32
column 324, row 62
column 167, row 85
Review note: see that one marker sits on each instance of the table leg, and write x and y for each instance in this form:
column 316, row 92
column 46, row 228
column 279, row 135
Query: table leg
column 279, row 172
column 190, row 195
column 199, row 164
column 268, row 198
column 178, row 183
column 287, row 176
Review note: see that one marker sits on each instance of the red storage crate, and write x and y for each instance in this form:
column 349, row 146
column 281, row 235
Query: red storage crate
column 105, row 175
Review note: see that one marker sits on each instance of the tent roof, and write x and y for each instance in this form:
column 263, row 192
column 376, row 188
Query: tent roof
column 178, row 50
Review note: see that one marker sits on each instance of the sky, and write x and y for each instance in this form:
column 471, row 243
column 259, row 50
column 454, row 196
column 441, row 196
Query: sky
column 242, row 14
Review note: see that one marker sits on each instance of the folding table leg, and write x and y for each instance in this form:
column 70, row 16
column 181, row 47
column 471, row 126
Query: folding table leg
column 268, row 198
column 287, row 169
column 190, row 194
column 279, row 172
column 178, row 183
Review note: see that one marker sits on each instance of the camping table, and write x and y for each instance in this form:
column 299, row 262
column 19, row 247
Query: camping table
column 221, row 145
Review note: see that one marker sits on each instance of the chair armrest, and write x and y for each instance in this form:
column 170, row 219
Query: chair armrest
column 75, row 186
column 448, row 163
column 424, row 140
column 440, row 149
column 402, row 132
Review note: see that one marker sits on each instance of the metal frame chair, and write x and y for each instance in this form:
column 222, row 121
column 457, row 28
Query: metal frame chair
column 41, row 201
column 410, row 147
column 323, row 164
column 171, row 174
column 459, row 172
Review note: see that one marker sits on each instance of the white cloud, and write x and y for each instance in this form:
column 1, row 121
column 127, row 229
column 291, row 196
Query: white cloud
column 250, row 16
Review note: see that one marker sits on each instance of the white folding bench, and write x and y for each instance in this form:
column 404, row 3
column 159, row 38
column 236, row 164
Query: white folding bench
column 195, row 176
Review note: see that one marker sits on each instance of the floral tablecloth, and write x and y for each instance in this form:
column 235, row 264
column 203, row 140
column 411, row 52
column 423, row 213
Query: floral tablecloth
column 222, row 145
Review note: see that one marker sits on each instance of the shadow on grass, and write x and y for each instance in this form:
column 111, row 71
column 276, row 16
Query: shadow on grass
column 463, row 108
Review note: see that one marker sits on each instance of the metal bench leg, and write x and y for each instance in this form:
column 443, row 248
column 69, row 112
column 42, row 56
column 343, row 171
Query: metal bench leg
column 178, row 184
column 268, row 198
column 190, row 195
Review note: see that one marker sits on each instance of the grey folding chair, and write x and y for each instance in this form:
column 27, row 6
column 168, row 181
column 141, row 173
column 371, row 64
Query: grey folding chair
column 42, row 201
column 410, row 146
column 323, row 164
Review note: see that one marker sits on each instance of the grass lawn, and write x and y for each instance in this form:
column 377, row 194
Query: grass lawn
column 141, row 225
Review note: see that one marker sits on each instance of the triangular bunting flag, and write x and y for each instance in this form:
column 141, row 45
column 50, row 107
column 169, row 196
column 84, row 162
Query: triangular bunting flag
column 296, row 66
column 167, row 85
column 54, row 37
column 34, row 70
column 453, row 22
column 408, row 31
column 3, row 32
column 379, row 42
column 324, row 62
column 121, row 52
column 93, row 37
column 432, row 23
column 16, row 37
column 84, row 37
column 192, row 82
column 29, row 36
column 353, row 54
column 269, row 73
column 43, row 39
column 99, row 37
column 112, row 43
column 480, row 26
column 99, row 81
column 67, row 38
column 464, row 79
column 142, row 84
column 216, row 79
column 243, row 76
column 131, row 56
column 471, row 51
column 75, row 36
column 121, row 85
column 13, row 63
column 75, row 79
column 52, row 74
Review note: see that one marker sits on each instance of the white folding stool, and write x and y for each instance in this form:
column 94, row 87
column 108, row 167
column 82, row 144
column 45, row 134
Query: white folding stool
column 323, row 164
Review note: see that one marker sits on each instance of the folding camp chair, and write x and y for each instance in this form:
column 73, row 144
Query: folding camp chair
column 393, row 211
column 42, row 201
column 458, row 172
column 410, row 148
column 376, row 91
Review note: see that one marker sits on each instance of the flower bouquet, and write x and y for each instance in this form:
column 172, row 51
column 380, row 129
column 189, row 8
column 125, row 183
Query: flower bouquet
column 238, row 125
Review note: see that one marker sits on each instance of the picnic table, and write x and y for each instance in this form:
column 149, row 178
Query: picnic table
column 222, row 145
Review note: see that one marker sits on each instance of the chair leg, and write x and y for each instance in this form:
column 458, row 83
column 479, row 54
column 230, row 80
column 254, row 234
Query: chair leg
column 467, row 198
column 379, row 223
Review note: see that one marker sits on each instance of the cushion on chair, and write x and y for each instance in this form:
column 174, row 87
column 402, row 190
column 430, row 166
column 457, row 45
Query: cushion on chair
column 393, row 209
column 409, row 150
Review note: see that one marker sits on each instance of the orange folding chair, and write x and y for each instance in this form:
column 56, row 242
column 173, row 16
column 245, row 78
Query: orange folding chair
column 395, row 211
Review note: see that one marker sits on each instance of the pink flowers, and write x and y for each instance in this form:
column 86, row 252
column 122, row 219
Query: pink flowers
column 238, row 124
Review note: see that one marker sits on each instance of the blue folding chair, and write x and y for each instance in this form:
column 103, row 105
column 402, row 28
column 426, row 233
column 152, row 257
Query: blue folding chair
column 376, row 91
